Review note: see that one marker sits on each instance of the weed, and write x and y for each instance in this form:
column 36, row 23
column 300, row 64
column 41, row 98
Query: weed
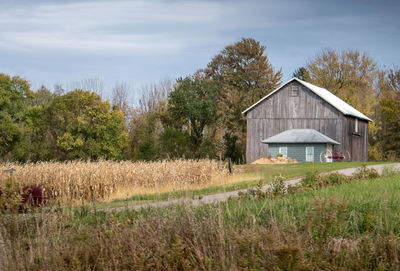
column 276, row 188
column 389, row 171
column 363, row 173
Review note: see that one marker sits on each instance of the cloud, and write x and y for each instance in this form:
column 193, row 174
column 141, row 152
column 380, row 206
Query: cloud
column 144, row 40
column 113, row 25
column 156, row 26
column 137, row 27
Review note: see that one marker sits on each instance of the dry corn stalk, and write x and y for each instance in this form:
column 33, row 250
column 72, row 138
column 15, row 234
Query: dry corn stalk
column 92, row 181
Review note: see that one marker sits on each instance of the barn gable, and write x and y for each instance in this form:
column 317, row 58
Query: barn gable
column 283, row 104
column 300, row 105
column 324, row 94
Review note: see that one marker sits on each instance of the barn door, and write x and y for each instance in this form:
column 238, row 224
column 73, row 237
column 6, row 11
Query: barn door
column 356, row 148
column 309, row 154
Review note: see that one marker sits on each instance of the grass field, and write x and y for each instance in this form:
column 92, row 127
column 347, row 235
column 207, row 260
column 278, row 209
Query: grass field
column 353, row 226
column 244, row 176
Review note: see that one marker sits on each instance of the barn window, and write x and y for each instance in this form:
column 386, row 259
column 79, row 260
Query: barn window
column 356, row 126
column 295, row 91
column 283, row 151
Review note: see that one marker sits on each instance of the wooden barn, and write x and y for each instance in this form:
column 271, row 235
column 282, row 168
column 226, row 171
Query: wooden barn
column 295, row 110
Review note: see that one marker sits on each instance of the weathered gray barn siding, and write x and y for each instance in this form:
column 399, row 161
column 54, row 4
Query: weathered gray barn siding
column 355, row 143
column 298, row 151
column 281, row 112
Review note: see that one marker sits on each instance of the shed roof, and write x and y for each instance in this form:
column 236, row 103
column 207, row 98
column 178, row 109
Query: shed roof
column 325, row 94
column 300, row 136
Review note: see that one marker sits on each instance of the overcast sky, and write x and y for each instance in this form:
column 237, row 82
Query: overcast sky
column 141, row 42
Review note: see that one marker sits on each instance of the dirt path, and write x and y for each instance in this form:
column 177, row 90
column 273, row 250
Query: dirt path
column 206, row 199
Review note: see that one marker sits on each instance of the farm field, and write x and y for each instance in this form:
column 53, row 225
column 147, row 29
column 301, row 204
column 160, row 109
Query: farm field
column 111, row 184
column 81, row 182
column 354, row 225
column 244, row 176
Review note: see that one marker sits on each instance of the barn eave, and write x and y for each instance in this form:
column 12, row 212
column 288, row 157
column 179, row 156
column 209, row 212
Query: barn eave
column 300, row 136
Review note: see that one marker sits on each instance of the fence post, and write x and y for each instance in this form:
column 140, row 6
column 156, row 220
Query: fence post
column 11, row 171
column 230, row 165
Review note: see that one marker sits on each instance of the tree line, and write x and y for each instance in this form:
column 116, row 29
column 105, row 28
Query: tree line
column 196, row 116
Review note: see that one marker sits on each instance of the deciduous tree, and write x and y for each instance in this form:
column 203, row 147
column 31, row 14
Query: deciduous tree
column 15, row 96
column 194, row 101
column 244, row 75
column 348, row 74
column 389, row 113
column 86, row 127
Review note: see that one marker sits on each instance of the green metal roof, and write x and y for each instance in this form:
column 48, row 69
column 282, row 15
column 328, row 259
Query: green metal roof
column 300, row 136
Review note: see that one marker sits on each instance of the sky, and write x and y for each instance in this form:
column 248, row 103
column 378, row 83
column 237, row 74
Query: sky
column 141, row 42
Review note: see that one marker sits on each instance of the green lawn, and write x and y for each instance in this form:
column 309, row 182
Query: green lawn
column 378, row 199
column 253, row 174
column 298, row 169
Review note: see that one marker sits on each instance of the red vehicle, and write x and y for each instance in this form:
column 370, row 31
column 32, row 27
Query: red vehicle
column 334, row 156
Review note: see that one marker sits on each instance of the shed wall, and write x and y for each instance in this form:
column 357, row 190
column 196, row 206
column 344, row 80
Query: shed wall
column 298, row 151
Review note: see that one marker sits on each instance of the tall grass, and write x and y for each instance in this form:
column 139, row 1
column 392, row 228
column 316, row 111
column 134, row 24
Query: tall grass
column 92, row 181
column 353, row 226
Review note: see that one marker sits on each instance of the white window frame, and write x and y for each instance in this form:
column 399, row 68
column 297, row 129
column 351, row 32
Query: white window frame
column 356, row 126
column 313, row 153
column 281, row 152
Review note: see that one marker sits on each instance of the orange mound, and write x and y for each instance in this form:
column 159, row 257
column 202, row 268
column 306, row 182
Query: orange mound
column 277, row 160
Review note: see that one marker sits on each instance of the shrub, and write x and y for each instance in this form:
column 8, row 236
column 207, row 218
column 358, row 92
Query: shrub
column 276, row 188
column 10, row 197
column 15, row 199
column 335, row 178
column 256, row 192
column 311, row 180
column 363, row 173
column 33, row 196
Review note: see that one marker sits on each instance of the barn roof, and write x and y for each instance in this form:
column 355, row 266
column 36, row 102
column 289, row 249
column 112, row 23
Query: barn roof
column 300, row 136
column 325, row 94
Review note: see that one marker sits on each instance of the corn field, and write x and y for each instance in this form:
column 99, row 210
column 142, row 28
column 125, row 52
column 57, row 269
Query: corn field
column 80, row 181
